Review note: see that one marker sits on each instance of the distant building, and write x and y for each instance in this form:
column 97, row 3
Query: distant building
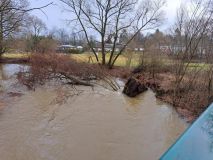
column 118, row 47
column 69, row 48
column 139, row 49
column 108, row 47
column 176, row 49
column 80, row 48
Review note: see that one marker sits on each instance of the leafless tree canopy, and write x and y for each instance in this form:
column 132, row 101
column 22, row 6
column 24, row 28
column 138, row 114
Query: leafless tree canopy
column 192, row 38
column 36, row 25
column 10, row 18
column 110, row 17
column 12, row 15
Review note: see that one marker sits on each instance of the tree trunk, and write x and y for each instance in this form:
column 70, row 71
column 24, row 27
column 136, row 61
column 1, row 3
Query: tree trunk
column 2, row 49
column 103, row 51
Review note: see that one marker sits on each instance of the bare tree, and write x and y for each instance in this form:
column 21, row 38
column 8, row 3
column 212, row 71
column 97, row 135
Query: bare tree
column 62, row 36
column 111, row 17
column 191, row 29
column 12, row 15
column 37, row 26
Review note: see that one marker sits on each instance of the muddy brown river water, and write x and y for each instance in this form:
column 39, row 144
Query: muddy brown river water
column 95, row 125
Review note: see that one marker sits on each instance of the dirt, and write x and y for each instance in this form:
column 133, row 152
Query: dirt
column 14, row 60
column 162, row 85
column 120, row 72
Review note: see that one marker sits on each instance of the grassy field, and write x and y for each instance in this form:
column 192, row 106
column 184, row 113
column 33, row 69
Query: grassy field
column 125, row 60
column 87, row 57
column 199, row 65
column 16, row 55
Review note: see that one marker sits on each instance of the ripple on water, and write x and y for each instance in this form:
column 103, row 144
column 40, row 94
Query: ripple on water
column 96, row 125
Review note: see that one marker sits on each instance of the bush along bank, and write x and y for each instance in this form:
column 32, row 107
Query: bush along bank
column 190, row 100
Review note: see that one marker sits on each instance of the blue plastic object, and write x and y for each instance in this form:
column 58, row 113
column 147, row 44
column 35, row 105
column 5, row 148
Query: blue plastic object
column 197, row 141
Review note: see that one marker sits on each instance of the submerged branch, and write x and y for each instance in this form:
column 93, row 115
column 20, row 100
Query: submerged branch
column 62, row 68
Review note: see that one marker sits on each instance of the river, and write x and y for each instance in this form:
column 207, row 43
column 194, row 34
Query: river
column 51, row 123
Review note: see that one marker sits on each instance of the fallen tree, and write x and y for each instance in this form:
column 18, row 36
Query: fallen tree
column 46, row 67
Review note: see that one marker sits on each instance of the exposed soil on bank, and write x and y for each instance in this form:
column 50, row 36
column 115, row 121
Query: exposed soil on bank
column 162, row 85
column 120, row 72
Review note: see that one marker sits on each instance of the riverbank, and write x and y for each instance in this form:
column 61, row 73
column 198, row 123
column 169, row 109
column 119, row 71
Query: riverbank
column 163, row 85
column 14, row 60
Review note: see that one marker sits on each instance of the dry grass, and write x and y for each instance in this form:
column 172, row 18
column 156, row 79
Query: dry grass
column 16, row 55
column 192, row 97
column 121, row 62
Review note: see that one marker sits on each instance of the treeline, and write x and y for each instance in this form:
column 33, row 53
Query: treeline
column 123, row 24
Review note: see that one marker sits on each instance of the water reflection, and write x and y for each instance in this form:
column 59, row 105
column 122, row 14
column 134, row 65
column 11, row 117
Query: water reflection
column 197, row 142
column 134, row 101
column 9, row 70
column 8, row 80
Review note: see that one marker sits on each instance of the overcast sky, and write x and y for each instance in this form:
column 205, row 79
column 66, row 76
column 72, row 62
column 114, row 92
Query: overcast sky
column 56, row 18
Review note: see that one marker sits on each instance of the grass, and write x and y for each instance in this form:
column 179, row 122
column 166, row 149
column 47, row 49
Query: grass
column 121, row 61
column 16, row 55
column 199, row 65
